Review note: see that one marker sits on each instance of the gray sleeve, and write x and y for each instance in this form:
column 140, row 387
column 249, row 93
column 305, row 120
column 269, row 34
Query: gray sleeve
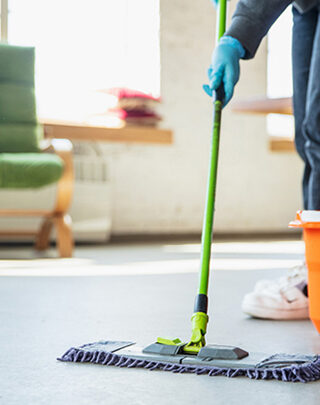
column 252, row 20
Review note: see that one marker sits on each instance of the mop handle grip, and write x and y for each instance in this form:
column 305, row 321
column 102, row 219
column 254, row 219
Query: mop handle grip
column 219, row 94
column 201, row 303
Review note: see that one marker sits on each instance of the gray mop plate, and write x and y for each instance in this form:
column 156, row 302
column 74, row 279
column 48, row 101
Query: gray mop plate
column 136, row 352
column 252, row 360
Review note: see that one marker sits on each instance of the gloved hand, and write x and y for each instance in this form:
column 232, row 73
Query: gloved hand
column 225, row 68
column 215, row 2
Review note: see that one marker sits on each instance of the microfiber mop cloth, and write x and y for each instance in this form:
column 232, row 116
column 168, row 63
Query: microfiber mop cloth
column 281, row 367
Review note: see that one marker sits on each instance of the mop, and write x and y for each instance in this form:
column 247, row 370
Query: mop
column 196, row 356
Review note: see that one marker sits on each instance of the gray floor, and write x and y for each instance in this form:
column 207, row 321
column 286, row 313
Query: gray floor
column 138, row 292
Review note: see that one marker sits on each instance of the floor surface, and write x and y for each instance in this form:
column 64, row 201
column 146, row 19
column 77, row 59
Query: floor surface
column 138, row 292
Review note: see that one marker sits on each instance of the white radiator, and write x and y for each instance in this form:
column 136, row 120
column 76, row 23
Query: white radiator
column 92, row 200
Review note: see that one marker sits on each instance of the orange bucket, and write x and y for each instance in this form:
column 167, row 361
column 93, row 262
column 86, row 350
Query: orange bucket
column 310, row 222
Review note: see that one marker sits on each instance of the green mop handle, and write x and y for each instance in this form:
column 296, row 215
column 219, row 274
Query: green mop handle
column 201, row 303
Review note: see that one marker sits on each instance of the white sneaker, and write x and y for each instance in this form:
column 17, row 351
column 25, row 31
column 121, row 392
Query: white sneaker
column 294, row 276
column 283, row 298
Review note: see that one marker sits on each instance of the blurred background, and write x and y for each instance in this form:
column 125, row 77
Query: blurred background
column 146, row 175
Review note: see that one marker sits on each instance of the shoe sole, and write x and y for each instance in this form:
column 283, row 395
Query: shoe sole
column 281, row 315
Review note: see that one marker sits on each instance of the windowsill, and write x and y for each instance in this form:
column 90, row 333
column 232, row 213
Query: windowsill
column 266, row 106
column 76, row 131
column 277, row 144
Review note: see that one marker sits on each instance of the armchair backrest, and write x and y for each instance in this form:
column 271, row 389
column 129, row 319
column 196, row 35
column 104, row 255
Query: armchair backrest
column 19, row 129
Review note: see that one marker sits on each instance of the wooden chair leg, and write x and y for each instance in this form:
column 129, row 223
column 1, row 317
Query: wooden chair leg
column 62, row 224
column 43, row 236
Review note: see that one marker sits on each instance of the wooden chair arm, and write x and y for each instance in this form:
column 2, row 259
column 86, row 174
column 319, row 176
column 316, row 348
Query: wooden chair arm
column 63, row 148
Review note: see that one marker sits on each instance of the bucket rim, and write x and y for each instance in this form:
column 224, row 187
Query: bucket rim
column 299, row 223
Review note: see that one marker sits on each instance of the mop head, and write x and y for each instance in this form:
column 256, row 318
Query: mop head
column 281, row 367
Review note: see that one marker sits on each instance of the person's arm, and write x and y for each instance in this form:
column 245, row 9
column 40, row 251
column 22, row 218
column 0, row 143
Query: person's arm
column 250, row 23
column 252, row 20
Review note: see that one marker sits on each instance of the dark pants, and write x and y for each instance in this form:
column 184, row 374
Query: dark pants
column 306, row 100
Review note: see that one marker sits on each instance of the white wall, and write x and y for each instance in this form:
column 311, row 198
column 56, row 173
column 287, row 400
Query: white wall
column 162, row 188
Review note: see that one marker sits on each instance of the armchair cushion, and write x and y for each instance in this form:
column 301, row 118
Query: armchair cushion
column 15, row 138
column 17, row 64
column 29, row 170
column 17, row 103
column 17, row 100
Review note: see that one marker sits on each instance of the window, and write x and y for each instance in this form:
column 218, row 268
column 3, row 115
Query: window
column 83, row 46
column 279, row 73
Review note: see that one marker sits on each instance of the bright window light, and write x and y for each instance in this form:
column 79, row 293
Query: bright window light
column 84, row 46
column 279, row 73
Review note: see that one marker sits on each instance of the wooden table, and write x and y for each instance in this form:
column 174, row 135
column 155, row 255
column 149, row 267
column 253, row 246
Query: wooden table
column 85, row 132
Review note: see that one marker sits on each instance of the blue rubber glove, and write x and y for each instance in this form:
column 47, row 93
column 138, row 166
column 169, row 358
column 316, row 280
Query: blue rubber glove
column 225, row 67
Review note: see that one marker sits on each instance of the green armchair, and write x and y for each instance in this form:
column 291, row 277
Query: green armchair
column 27, row 160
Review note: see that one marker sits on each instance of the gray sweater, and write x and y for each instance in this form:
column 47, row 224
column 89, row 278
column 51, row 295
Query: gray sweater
column 253, row 18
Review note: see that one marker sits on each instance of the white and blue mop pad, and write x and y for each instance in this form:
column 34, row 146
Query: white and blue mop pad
column 282, row 367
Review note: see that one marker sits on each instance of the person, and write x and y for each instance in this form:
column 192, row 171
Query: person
column 286, row 297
